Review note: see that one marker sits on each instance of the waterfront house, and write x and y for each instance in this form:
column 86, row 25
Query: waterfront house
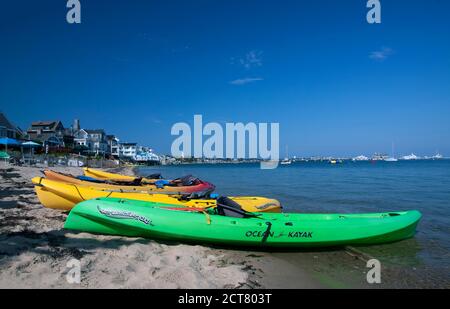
column 8, row 129
column 51, row 133
column 127, row 150
column 139, row 154
column 113, row 145
column 94, row 141
column 145, row 155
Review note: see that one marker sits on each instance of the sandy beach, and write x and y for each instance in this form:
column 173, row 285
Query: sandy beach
column 35, row 250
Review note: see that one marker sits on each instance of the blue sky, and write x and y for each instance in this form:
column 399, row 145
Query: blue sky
column 336, row 84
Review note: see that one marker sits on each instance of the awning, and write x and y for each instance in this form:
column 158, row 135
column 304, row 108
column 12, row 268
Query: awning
column 9, row 141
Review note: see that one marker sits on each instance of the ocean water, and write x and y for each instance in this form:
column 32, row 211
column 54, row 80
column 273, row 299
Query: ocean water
column 352, row 187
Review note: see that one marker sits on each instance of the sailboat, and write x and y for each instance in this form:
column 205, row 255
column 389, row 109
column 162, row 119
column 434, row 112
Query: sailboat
column 286, row 160
column 391, row 159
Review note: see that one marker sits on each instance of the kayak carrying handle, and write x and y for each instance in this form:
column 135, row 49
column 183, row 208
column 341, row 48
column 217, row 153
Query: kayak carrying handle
column 109, row 194
column 79, row 192
column 40, row 182
column 267, row 232
column 208, row 218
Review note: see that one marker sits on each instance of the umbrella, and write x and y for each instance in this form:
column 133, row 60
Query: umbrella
column 31, row 144
column 8, row 141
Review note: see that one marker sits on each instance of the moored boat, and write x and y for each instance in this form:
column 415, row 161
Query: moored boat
column 410, row 157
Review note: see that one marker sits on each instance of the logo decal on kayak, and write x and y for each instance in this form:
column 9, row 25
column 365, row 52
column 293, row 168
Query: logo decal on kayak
column 117, row 214
column 300, row 234
column 259, row 234
column 265, row 206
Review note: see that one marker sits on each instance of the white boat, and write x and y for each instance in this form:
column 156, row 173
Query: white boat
column 437, row 156
column 391, row 159
column 286, row 160
column 410, row 157
column 335, row 161
column 360, row 158
column 379, row 157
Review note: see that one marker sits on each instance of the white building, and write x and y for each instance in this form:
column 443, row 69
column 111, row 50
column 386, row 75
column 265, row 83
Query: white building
column 133, row 152
column 94, row 140
column 145, row 154
column 128, row 150
column 113, row 145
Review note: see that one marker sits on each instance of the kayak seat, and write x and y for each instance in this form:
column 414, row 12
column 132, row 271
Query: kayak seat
column 154, row 176
column 229, row 208
column 135, row 182
column 185, row 181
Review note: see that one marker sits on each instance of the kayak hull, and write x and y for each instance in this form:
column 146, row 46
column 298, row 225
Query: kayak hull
column 137, row 219
column 64, row 196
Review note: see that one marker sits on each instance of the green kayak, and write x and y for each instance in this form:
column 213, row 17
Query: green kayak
column 225, row 227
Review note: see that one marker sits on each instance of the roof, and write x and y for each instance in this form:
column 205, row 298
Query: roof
column 95, row 131
column 52, row 123
column 4, row 122
column 43, row 123
column 112, row 137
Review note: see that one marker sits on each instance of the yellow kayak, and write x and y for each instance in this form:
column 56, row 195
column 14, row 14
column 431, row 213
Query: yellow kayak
column 101, row 175
column 198, row 187
column 64, row 196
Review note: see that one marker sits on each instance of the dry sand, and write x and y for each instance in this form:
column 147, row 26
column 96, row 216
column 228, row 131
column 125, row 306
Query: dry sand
column 35, row 250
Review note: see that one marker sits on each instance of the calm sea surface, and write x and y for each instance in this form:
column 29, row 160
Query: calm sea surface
column 352, row 187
